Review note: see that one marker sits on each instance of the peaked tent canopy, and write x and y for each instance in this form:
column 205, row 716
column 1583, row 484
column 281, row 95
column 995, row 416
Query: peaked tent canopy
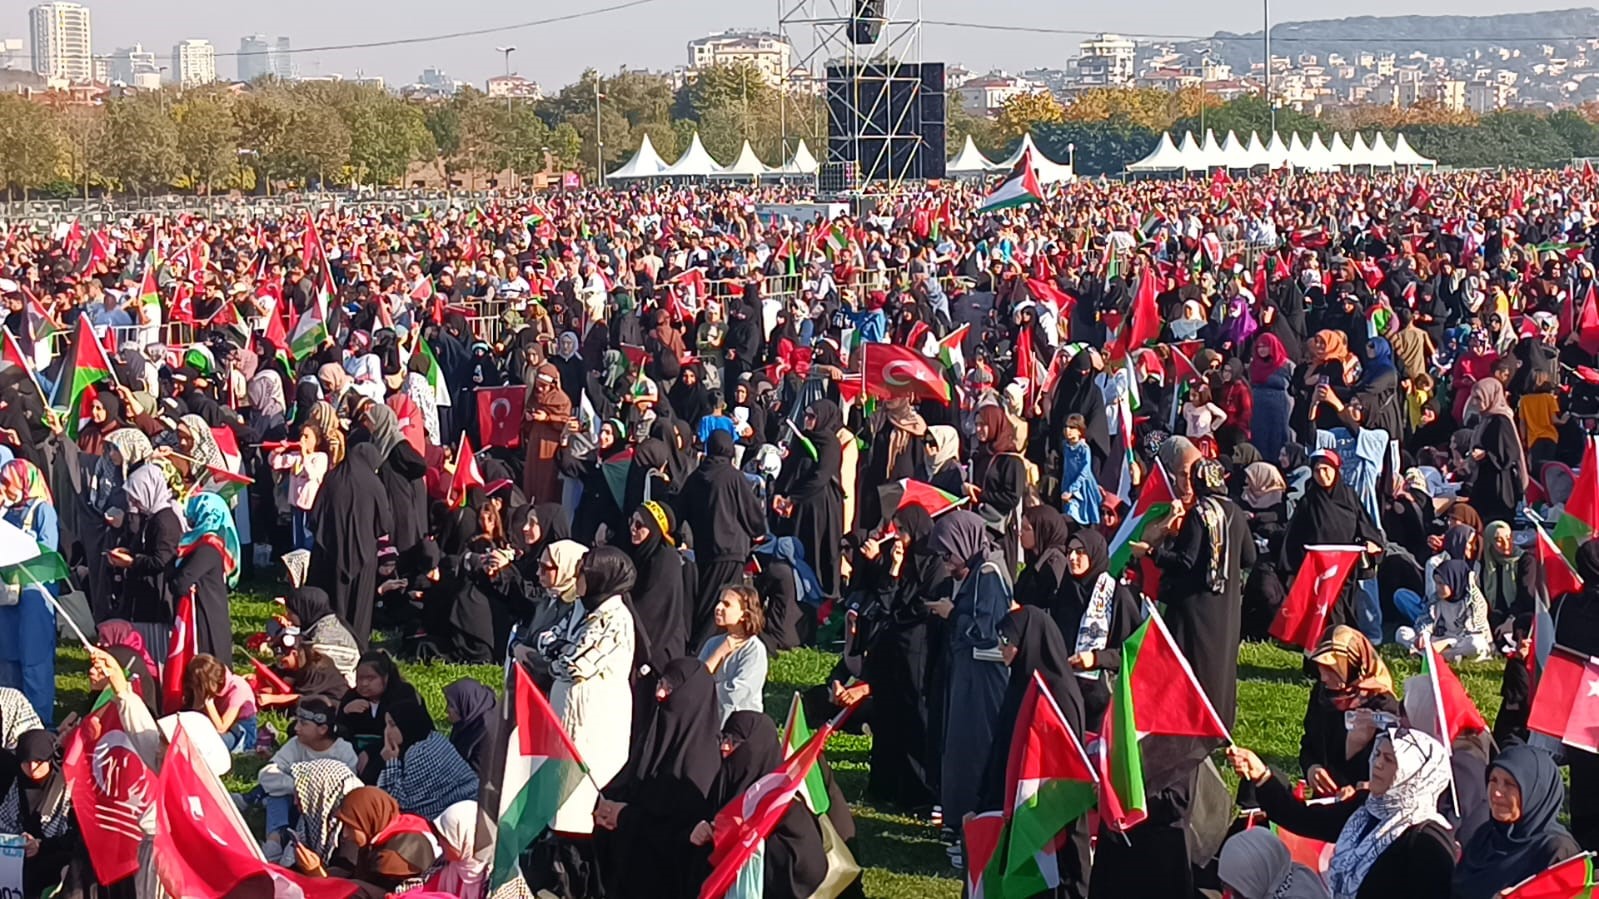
column 747, row 165
column 969, row 161
column 1164, row 158
column 694, row 163
column 1312, row 154
column 646, row 163
column 1047, row 170
column 801, row 163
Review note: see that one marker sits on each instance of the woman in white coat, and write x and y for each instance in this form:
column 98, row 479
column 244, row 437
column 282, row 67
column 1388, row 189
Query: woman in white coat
column 591, row 657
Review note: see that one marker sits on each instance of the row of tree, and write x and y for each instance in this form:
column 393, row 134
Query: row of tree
column 272, row 135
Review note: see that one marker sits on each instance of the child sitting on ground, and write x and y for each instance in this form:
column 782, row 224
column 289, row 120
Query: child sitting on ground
column 225, row 698
column 314, row 738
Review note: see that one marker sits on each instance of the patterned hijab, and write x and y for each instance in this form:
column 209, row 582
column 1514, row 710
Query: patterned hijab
column 319, row 786
column 134, row 448
column 24, row 477
column 1421, row 777
column 204, row 451
column 211, row 523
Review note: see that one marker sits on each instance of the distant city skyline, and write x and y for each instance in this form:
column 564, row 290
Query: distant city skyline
column 651, row 36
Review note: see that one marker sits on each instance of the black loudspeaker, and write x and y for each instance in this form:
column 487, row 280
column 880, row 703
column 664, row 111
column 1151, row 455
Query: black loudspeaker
column 888, row 118
column 866, row 25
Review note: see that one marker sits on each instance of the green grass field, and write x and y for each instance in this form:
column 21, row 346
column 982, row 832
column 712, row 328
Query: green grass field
column 901, row 855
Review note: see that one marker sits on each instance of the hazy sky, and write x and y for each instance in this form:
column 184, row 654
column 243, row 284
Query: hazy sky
column 651, row 36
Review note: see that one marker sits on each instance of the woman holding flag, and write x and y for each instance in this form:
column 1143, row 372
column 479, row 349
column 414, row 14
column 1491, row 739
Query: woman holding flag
column 208, row 554
column 28, row 621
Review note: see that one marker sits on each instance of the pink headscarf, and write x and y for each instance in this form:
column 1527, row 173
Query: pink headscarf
column 116, row 632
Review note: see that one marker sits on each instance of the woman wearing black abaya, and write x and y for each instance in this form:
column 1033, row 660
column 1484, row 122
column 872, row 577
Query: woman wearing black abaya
column 644, row 817
column 22, row 414
column 811, row 494
column 597, row 504
column 742, row 346
column 1043, row 536
column 1500, row 480
column 352, row 513
column 401, row 474
column 1095, row 612
column 141, row 555
column 1032, row 644
column 725, row 516
column 1201, row 582
column 1329, row 513
column 794, row 858
column 897, row 451
column 646, row 477
column 1077, row 394
column 1577, row 629
column 1000, row 476
column 658, row 597
column 689, row 397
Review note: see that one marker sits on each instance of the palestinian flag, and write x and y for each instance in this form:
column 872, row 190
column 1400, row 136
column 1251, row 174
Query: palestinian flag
column 41, row 325
column 896, row 495
column 1160, row 722
column 1558, row 579
column 225, row 480
column 836, row 239
column 89, row 367
column 542, row 768
column 1154, row 503
column 13, row 354
column 1571, row 879
column 982, row 834
column 1579, row 520
column 796, row 732
column 1143, row 319
column 434, row 374
column 150, row 293
column 615, row 471
column 1019, row 188
column 949, row 352
column 310, row 332
column 277, row 340
column 24, row 560
column 1049, row 783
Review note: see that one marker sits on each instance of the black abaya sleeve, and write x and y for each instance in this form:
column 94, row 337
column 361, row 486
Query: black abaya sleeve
column 161, row 542
column 1125, row 617
column 1318, row 822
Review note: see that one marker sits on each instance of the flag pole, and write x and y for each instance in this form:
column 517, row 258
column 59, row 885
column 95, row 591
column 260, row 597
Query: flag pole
column 62, row 613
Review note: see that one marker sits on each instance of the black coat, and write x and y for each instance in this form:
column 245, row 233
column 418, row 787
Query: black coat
column 1496, row 487
column 202, row 571
column 142, row 588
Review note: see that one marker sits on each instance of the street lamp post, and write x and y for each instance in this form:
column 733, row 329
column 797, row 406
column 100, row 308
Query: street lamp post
column 507, row 51
column 599, row 141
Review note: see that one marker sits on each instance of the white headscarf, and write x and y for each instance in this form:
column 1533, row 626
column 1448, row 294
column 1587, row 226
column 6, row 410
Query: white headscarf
column 466, row 870
column 1421, row 776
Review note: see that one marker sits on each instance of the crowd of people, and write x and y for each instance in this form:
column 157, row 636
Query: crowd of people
column 698, row 472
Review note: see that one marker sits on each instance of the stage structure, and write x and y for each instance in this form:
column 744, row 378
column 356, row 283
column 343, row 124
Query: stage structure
column 885, row 107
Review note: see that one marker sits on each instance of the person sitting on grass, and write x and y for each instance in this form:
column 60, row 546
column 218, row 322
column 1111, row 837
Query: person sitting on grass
column 225, row 698
column 314, row 738
column 421, row 769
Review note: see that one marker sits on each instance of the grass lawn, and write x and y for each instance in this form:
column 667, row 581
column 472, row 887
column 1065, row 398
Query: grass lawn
column 901, row 855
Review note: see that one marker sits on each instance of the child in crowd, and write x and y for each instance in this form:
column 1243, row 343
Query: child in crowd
column 307, row 466
column 225, row 698
column 314, row 738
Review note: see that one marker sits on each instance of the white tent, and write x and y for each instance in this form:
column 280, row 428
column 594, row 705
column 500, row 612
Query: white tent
column 1232, row 152
column 801, row 163
column 1360, row 151
column 1188, row 152
column 1382, row 155
column 1048, row 170
column 1164, row 158
column 1404, row 155
column 646, row 163
column 694, row 163
column 1318, row 156
column 1210, row 155
column 747, row 165
column 1277, row 151
column 1339, row 153
column 1255, row 152
column 969, row 161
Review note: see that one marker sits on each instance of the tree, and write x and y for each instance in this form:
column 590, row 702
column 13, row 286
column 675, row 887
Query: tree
column 443, row 121
column 209, row 151
column 1023, row 111
column 1580, row 135
column 142, row 143
column 321, row 142
column 566, row 145
column 728, row 86
column 30, row 149
column 386, row 136
column 81, row 131
column 266, row 130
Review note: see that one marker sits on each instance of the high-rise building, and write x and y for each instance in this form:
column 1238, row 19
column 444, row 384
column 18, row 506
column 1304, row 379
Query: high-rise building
column 768, row 53
column 1107, row 60
column 194, row 62
column 61, row 44
column 261, row 57
column 134, row 66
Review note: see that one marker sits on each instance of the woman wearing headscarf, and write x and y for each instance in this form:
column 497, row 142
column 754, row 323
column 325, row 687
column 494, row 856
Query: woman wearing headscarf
column 123, row 643
column 591, row 658
column 794, row 859
column 310, row 610
column 208, row 564
column 549, row 580
column 721, row 510
column 379, row 685
column 546, row 410
column 28, row 624
column 1032, row 645
column 1078, row 394
column 319, row 786
column 1331, row 363
column 976, row 678
column 1096, row 613
column 943, row 459
column 1523, row 835
column 105, row 418
column 1500, row 480
column 471, row 709
column 466, row 866
column 598, row 502
column 421, row 770
column 1201, row 584
column 1043, row 537
column 1455, row 621
column 1389, row 839
column 352, row 512
column 1506, row 574
column 380, row 849
column 658, row 599
column 1238, row 326
column 647, row 477
column 1330, row 513
column 689, row 397
column 1350, row 677
column 1254, row 864
column 644, row 818
column 1379, row 388
column 999, row 477
column 401, row 474
column 102, row 501
column 1270, row 375
column 37, row 804
column 897, row 451
column 811, row 493
column 149, row 545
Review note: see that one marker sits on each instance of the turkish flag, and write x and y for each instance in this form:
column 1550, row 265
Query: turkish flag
column 1566, row 704
column 891, row 370
column 182, row 648
column 1572, row 877
column 1303, row 615
column 111, row 791
column 203, row 850
column 499, row 416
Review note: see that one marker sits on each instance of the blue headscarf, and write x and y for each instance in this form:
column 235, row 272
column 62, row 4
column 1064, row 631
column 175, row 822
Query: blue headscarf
column 1380, row 363
column 210, row 517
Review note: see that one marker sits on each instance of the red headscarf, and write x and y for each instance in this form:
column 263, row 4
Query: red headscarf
column 1262, row 369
